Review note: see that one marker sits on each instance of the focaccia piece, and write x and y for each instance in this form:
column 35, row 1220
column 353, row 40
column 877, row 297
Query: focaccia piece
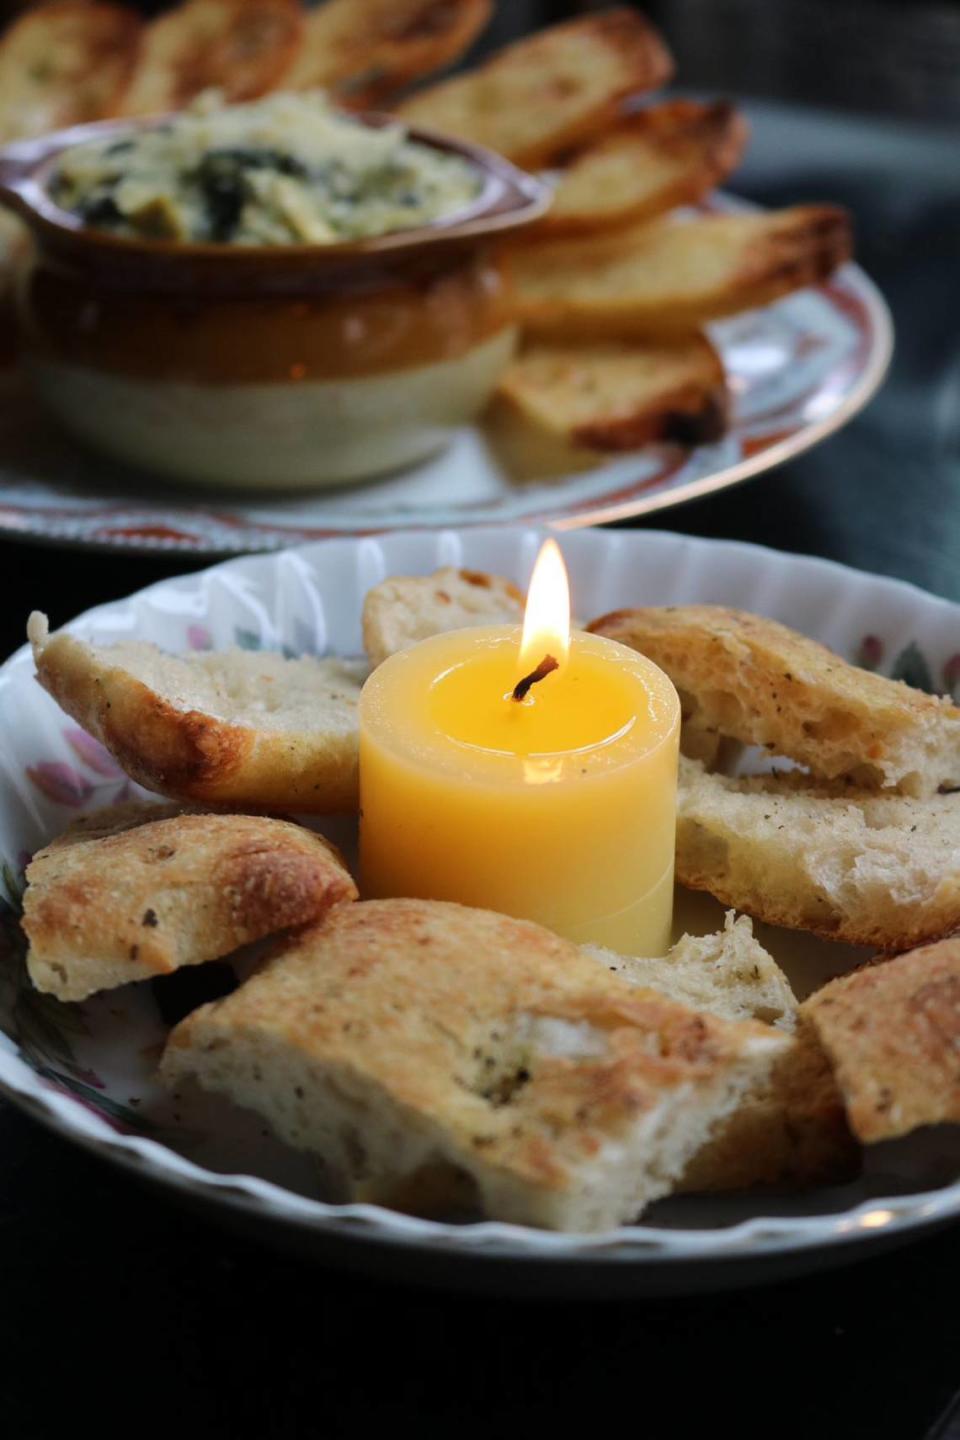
column 788, row 1129
column 619, row 395
column 757, row 681
column 241, row 48
column 135, row 891
column 550, row 91
column 64, row 64
column 247, row 729
column 672, row 276
column 727, row 974
column 405, row 609
column 440, row 1057
column 653, row 161
column 364, row 51
column 892, row 1033
column 864, row 867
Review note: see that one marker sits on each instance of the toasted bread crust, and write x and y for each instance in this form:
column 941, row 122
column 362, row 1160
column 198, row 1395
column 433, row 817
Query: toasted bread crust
column 190, row 754
column 759, row 682
column 868, row 869
column 650, row 163
column 669, row 278
column 790, row 1130
column 549, row 1065
column 141, row 890
column 65, row 64
column 550, row 91
column 892, row 1033
column 367, row 50
column 406, row 608
column 613, row 397
column 240, row 47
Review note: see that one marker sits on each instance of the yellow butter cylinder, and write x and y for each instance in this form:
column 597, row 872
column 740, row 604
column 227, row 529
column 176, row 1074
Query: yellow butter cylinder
column 559, row 808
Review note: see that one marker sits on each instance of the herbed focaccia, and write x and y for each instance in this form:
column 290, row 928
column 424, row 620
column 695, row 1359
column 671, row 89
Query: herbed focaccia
column 439, row 1057
column 892, row 1032
column 727, row 974
column 135, row 891
column 789, row 1128
column 400, row 611
column 755, row 680
column 650, row 162
column 670, row 277
column 550, row 91
column 246, row 729
column 865, row 867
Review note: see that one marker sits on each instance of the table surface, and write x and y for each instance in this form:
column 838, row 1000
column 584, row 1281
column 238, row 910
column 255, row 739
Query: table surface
column 109, row 1294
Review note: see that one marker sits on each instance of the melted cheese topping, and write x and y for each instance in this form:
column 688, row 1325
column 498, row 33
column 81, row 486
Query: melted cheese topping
column 284, row 170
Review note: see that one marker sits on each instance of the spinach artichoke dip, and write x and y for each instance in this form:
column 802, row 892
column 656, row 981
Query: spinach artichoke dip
column 286, row 170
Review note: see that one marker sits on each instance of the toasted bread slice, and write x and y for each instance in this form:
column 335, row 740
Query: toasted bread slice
column 550, row 91
column 64, row 64
column 864, row 867
column 245, row 729
column 405, row 609
column 789, row 1129
column 755, row 680
column 141, row 890
column 435, row 1054
column 364, row 51
column 653, row 161
column 672, row 276
column 240, row 48
column 892, row 1032
column 618, row 395
column 727, row 974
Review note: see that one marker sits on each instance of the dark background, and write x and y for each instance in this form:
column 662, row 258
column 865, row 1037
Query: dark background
column 119, row 1310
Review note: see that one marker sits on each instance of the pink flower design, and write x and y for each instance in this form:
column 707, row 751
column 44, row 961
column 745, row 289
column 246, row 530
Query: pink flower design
column 870, row 655
column 199, row 637
column 92, row 753
column 60, row 783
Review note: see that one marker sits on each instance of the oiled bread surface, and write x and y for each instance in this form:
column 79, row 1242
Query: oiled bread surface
column 672, row 276
column 140, row 890
column 404, row 609
column 244, row 728
column 760, row 682
column 892, row 1032
column 861, row 866
column 421, row 1046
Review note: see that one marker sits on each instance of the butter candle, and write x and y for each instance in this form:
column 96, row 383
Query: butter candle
column 557, row 806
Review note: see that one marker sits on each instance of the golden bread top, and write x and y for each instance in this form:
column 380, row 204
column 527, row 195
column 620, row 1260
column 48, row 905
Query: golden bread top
column 494, row 1028
column 140, row 890
column 892, row 1033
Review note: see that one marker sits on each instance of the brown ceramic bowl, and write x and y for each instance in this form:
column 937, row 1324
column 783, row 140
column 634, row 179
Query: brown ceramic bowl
column 273, row 366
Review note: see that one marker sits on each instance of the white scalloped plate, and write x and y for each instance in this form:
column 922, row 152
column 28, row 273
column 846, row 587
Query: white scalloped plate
column 87, row 1070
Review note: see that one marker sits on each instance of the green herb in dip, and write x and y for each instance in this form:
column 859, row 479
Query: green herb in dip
column 287, row 170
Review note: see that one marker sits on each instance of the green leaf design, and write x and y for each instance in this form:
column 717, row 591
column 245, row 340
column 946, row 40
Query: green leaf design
column 111, row 1109
column 247, row 639
column 11, row 890
column 911, row 667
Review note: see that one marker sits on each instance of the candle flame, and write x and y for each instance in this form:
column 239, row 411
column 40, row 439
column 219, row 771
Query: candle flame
column 546, row 621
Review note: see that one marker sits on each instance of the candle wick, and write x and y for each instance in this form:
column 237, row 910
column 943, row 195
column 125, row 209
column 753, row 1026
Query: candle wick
column 542, row 671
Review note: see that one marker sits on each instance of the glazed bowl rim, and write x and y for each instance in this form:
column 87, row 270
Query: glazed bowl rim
column 508, row 199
